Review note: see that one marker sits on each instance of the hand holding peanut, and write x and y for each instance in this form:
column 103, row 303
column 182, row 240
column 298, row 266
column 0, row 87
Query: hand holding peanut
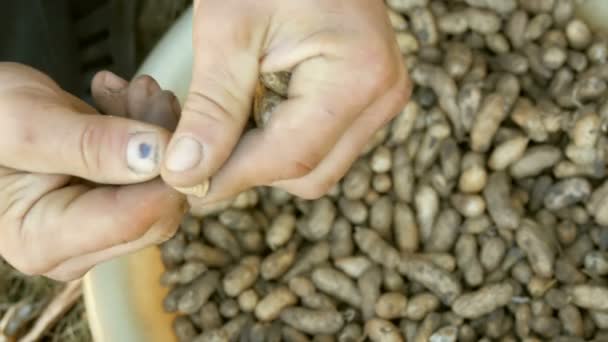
column 347, row 81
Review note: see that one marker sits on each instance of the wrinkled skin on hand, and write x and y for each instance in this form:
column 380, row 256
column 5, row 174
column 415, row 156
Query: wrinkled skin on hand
column 78, row 188
column 348, row 80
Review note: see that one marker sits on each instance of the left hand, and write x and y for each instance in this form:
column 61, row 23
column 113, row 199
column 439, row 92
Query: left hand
column 78, row 188
column 348, row 80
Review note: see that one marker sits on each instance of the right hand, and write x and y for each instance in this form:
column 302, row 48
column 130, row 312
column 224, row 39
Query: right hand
column 347, row 81
column 78, row 188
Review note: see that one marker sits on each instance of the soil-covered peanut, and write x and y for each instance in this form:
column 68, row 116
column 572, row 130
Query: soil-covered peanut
column 277, row 263
column 594, row 297
column 270, row 307
column 596, row 263
column 248, row 300
column 391, row 305
column 319, row 301
column 427, row 206
column 404, row 6
column 379, row 330
column 445, row 232
column 221, row 237
column 427, row 327
column 468, row 260
column 533, row 240
column 508, row 153
column 354, row 210
column 578, row 34
column 353, row 266
column 571, row 320
column 277, row 81
column 473, row 178
column 446, row 89
column 424, row 26
column 238, row 220
column 493, row 110
column 314, row 255
column 357, row 181
column 492, row 252
column 229, row 308
column 210, row 256
column 420, row 305
column 476, row 225
column 369, row 287
column 184, row 328
column 397, row 20
column 567, row 193
column 458, row 60
column 372, row 244
column 382, row 183
column 598, row 204
column 337, row 284
column 350, row 333
column 242, row 276
column 318, row 224
column 265, row 103
column 313, row 321
column 405, row 228
column 292, row 335
column 497, row 195
column 198, row 292
column 483, row 301
column 185, row 274
column 547, row 327
column 445, row 334
column 437, row 280
column 403, row 175
column 393, row 281
column 342, row 244
column 535, row 160
column 281, row 230
column 381, row 216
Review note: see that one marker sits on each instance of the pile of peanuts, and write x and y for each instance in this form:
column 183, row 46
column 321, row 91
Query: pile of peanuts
column 480, row 213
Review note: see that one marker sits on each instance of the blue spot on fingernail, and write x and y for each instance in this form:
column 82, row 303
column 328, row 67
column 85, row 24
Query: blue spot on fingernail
column 144, row 150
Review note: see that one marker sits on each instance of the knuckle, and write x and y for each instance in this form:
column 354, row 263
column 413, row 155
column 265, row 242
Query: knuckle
column 314, row 191
column 90, row 140
column 166, row 232
column 203, row 104
column 218, row 97
column 129, row 228
column 144, row 80
column 302, row 165
column 297, row 169
column 133, row 232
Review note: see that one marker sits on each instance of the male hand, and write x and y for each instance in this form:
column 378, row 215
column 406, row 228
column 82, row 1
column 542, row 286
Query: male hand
column 57, row 218
column 348, row 80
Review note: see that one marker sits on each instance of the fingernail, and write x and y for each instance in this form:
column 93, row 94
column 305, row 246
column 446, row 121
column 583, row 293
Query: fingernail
column 142, row 153
column 199, row 190
column 113, row 82
column 185, row 154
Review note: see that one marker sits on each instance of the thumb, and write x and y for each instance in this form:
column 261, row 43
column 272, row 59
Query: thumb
column 217, row 107
column 102, row 149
